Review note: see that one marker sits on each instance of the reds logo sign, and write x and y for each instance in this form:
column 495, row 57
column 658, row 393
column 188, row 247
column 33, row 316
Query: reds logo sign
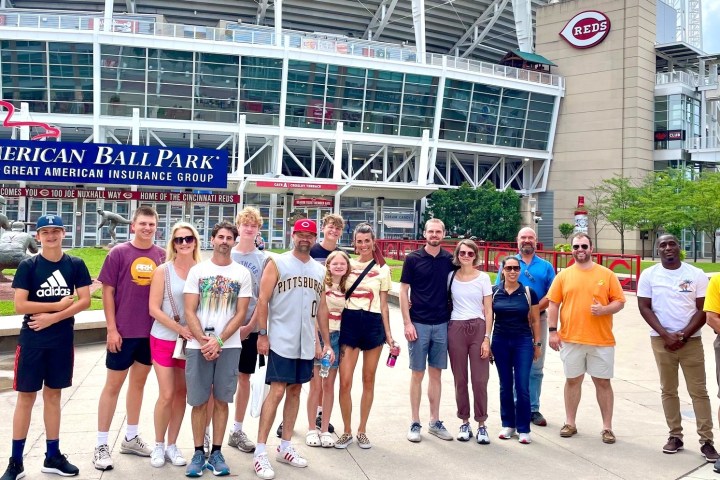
column 586, row 29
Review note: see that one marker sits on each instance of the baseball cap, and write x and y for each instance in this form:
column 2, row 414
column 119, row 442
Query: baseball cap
column 305, row 225
column 47, row 221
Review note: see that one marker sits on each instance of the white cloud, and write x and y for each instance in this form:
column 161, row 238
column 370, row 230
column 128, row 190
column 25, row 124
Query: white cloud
column 711, row 25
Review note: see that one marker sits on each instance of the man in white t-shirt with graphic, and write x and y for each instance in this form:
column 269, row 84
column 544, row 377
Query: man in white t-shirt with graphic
column 217, row 293
column 670, row 298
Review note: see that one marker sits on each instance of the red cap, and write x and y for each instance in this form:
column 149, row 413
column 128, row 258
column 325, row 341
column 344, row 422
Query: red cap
column 305, row 225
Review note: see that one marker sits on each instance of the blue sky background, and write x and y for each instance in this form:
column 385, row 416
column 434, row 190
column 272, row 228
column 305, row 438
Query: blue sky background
column 711, row 26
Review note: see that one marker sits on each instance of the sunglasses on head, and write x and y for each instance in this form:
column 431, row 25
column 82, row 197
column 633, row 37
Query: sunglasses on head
column 511, row 268
column 584, row 246
column 464, row 253
column 179, row 240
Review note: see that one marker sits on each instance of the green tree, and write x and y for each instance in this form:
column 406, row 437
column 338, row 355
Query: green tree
column 566, row 229
column 619, row 195
column 486, row 213
column 656, row 202
column 706, row 197
column 594, row 206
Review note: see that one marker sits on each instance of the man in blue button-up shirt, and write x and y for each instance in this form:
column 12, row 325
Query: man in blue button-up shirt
column 537, row 274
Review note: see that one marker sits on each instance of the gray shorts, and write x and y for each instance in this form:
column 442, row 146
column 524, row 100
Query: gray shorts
column 430, row 348
column 218, row 376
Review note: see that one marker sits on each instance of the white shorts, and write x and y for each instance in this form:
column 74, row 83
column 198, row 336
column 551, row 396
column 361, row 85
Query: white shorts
column 578, row 358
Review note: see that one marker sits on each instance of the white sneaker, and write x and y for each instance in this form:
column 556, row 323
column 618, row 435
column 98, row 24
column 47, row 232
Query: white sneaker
column 135, row 446
column 291, row 457
column 482, row 436
column 524, row 438
column 263, row 469
column 175, row 456
column 102, row 459
column 414, row 433
column 465, row 432
column 506, row 433
column 157, row 457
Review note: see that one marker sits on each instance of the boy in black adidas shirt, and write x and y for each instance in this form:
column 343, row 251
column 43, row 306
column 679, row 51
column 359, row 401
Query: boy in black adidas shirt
column 44, row 287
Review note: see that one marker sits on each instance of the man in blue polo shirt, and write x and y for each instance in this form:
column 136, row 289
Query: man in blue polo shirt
column 537, row 274
column 423, row 284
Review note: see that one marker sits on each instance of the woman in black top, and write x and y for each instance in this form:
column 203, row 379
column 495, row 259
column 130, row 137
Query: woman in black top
column 517, row 324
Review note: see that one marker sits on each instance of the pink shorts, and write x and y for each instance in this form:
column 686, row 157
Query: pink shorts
column 161, row 352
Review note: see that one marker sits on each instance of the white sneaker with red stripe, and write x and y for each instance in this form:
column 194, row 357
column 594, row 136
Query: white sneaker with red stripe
column 263, row 469
column 291, row 457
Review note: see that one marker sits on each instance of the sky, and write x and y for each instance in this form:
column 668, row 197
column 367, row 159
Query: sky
column 711, row 25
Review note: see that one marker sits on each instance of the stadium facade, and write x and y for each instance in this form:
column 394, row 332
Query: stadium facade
column 360, row 107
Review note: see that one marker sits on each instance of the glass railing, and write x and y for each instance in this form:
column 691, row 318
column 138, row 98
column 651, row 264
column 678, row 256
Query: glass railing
column 690, row 79
column 260, row 35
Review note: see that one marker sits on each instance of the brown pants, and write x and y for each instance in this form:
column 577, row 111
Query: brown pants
column 692, row 361
column 465, row 338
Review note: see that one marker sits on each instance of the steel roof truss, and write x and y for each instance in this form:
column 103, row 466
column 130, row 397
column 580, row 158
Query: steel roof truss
column 478, row 36
column 367, row 163
column 298, row 162
column 380, row 20
column 452, row 158
column 261, row 11
column 404, row 162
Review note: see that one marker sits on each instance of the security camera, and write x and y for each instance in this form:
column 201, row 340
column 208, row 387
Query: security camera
column 537, row 218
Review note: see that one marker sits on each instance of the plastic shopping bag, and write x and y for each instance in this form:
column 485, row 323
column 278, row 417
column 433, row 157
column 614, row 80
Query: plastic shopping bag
column 258, row 391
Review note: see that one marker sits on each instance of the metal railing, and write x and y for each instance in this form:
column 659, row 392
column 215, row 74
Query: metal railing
column 690, row 79
column 260, row 35
column 626, row 267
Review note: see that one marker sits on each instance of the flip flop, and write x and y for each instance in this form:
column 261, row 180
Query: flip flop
column 312, row 438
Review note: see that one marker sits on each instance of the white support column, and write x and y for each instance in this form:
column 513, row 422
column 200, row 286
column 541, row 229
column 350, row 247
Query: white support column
column 437, row 119
column 135, row 134
column 97, row 101
column 418, row 14
column 242, row 138
column 278, row 23
column 522, row 10
column 108, row 13
column 24, row 117
column 337, row 167
column 423, row 163
column 277, row 168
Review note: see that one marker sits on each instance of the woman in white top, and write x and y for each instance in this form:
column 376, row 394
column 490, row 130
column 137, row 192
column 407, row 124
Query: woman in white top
column 183, row 251
column 468, row 338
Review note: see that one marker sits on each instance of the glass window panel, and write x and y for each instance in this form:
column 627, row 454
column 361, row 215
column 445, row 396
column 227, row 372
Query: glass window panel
column 24, row 73
column 260, row 80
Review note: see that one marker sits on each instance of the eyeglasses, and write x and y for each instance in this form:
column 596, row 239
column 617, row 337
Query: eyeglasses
column 179, row 240
column 512, row 268
column 584, row 246
column 465, row 253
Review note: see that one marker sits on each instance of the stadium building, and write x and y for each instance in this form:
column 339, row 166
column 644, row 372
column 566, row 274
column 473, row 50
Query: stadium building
column 363, row 107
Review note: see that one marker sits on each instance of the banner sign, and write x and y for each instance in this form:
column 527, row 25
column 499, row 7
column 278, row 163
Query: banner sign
column 586, row 29
column 669, row 135
column 59, row 192
column 309, row 186
column 312, row 202
column 43, row 162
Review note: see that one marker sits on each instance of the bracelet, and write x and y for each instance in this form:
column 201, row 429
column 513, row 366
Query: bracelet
column 552, row 329
column 220, row 342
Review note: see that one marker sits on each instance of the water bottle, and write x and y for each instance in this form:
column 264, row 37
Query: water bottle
column 325, row 365
column 394, row 352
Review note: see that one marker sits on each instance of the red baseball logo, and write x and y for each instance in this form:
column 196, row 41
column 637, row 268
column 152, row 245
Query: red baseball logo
column 50, row 131
column 305, row 224
column 586, row 29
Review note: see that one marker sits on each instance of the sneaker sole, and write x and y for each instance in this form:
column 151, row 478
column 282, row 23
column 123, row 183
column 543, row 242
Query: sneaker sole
column 157, row 466
column 464, row 439
column 415, row 440
column 342, row 446
column 101, row 468
column 52, row 470
column 675, row 451
column 194, row 474
column 127, row 451
column 484, row 442
column 20, row 475
column 288, row 462
column 709, row 460
column 177, row 464
column 244, row 450
column 221, row 473
column 364, row 446
column 441, row 436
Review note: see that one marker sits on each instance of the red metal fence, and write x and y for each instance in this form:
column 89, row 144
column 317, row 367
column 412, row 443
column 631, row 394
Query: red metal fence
column 626, row 267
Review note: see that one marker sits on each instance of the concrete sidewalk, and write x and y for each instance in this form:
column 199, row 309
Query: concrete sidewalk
column 639, row 425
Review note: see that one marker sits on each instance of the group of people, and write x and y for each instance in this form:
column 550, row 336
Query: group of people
column 205, row 327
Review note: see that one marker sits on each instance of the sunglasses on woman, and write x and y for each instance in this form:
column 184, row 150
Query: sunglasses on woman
column 511, row 268
column 179, row 240
column 584, row 246
column 464, row 253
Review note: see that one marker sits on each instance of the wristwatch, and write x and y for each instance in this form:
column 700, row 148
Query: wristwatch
column 262, row 332
column 538, row 344
column 552, row 329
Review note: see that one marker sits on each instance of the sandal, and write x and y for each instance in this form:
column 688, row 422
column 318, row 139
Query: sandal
column 312, row 438
column 327, row 440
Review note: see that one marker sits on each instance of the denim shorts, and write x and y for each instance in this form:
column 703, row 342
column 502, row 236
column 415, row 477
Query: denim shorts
column 430, row 348
column 361, row 329
column 335, row 344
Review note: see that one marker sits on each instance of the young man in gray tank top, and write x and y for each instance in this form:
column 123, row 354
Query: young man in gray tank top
column 292, row 289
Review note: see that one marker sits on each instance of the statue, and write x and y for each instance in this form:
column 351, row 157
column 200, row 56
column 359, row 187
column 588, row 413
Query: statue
column 112, row 220
column 4, row 221
column 14, row 245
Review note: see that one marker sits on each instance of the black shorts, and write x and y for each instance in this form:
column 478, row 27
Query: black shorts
column 361, row 329
column 249, row 355
column 288, row 370
column 37, row 366
column 132, row 350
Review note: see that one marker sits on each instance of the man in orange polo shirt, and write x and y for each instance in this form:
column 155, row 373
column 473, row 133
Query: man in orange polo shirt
column 712, row 310
column 590, row 294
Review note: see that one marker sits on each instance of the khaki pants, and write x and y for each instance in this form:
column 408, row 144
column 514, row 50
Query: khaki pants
column 692, row 361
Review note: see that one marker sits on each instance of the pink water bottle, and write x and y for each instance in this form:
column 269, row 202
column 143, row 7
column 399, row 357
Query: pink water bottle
column 394, row 352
